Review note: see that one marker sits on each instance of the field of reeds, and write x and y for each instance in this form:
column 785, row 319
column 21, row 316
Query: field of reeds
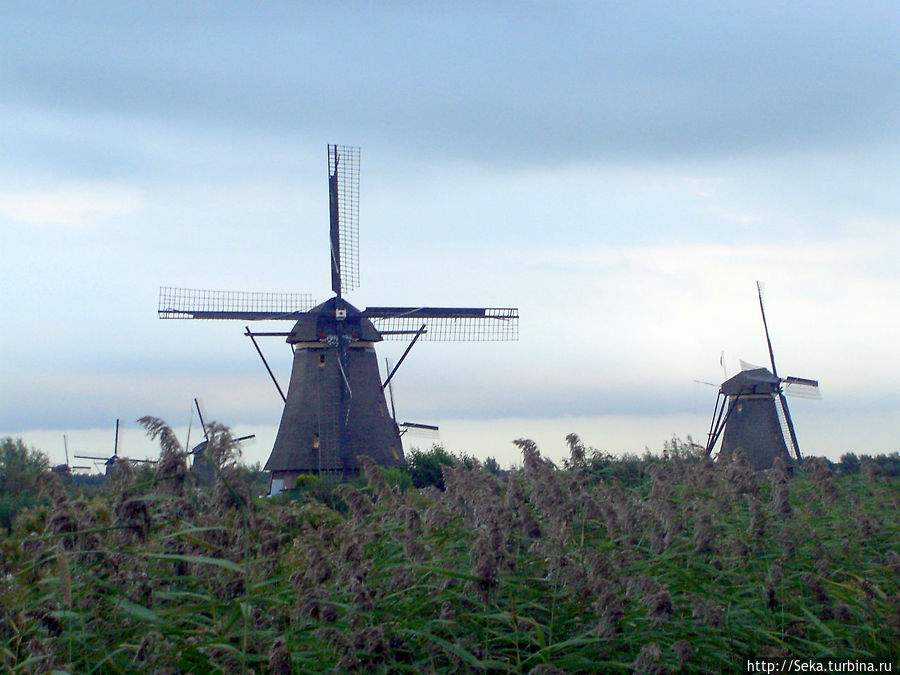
column 655, row 566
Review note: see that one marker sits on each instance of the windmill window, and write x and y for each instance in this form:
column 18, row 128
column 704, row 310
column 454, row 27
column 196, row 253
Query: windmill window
column 321, row 360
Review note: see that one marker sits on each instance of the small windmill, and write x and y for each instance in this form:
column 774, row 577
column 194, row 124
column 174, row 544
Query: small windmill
column 66, row 469
column 752, row 412
column 201, row 466
column 335, row 408
column 111, row 461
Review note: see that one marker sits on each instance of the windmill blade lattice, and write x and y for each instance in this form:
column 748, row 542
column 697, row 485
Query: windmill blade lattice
column 783, row 415
column 343, row 192
column 193, row 303
column 446, row 324
column 800, row 387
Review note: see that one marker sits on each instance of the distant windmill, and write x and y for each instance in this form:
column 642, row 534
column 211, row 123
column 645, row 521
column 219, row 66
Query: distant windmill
column 111, row 461
column 66, row 469
column 752, row 412
column 201, row 466
column 335, row 408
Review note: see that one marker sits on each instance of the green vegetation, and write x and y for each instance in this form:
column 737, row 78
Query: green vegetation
column 21, row 468
column 427, row 468
column 645, row 564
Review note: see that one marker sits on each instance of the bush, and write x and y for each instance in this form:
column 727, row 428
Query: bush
column 20, row 477
column 427, row 467
column 492, row 466
column 849, row 464
column 630, row 470
column 886, row 465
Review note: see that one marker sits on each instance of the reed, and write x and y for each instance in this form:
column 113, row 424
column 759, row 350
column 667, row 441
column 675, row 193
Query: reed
column 684, row 564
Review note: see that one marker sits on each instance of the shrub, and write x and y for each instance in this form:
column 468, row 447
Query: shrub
column 427, row 467
column 849, row 464
column 21, row 469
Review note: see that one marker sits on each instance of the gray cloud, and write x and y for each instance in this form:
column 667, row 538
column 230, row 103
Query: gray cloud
column 516, row 84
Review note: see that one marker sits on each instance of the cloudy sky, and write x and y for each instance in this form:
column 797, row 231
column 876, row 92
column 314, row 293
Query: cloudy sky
column 621, row 172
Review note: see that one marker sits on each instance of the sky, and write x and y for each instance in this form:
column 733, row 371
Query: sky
column 623, row 173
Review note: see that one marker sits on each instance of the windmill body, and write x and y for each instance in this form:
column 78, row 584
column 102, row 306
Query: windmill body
column 328, row 421
column 201, row 466
column 753, row 426
column 335, row 409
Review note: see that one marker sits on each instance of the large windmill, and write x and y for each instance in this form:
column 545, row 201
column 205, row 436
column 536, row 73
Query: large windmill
column 752, row 411
column 335, row 408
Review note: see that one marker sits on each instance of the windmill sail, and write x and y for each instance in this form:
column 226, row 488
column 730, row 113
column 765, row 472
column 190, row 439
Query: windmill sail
column 193, row 303
column 343, row 203
column 800, row 387
column 781, row 412
column 446, row 324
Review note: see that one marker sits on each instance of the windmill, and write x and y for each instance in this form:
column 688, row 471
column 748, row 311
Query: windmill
column 111, row 461
column 201, row 465
column 752, row 411
column 66, row 469
column 335, row 408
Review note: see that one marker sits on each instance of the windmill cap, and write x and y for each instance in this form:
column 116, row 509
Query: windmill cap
column 756, row 381
column 322, row 320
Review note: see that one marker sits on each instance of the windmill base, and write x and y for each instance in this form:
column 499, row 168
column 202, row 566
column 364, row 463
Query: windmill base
column 312, row 439
column 753, row 428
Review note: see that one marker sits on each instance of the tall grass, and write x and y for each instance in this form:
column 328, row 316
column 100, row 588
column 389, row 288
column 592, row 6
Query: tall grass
column 685, row 564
